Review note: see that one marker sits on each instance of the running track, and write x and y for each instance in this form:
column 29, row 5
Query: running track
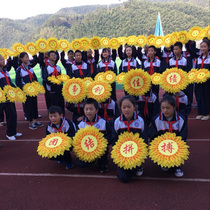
column 28, row 181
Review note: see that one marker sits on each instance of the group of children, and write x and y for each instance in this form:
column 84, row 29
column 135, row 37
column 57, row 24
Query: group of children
column 144, row 114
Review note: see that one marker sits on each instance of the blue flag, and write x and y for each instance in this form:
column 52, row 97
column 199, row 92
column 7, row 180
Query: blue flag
column 158, row 28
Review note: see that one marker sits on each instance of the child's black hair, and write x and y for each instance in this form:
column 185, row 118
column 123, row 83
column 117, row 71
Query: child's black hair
column 105, row 49
column 78, row 51
column 130, row 98
column 51, row 52
column 152, row 46
column 170, row 99
column 91, row 101
column 23, row 54
column 178, row 44
column 54, row 109
column 207, row 42
column 70, row 51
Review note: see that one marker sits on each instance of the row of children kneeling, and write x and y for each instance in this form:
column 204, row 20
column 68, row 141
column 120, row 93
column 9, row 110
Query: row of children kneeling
column 168, row 120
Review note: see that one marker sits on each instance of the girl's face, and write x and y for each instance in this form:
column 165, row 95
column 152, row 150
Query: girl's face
column 2, row 61
column 105, row 54
column 167, row 109
column 128, row 52
column 127, row 108
column 25, row 59
column 71, row 56
column 204, row 48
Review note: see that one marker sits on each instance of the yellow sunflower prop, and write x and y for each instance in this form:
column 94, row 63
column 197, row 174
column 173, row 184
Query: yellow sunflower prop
column 85, row 43
column 174, row 80
column 99, row 90
column 42, row 45
column 52, row 43
column 105, row 42
column 130, row 151
column 191, row 75
column 31, row 48
column 53, row 79
column 18, row 48
column 95, row 42
column 114, row 43
column 76, row 45
column 158, row 41
column 137, row 82
column 174, row 38
column 120, row 77
column 202, row 75
column 122, row 40
column 20, row 96
column 31, row 89
column 10, row 93
column 88, row 80
column 63, row 77
column 89, row 144
column 168, row 150
column 132, row 40
column 208, row 32
column 151, row 40
column 194, row 33
column 141, row 41
column 183, row 37
column 204, row 33
column 74, row 90
column 99, row 76
column 2, row 96
column 63, row 45
column 109, row 76
column 3, row 53
column 39, row 87
column 9, row 52
column 167, row 40
column 156, row 77
column 54, row 145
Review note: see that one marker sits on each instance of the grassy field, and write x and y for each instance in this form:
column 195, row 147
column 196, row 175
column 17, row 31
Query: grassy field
column 37, row 72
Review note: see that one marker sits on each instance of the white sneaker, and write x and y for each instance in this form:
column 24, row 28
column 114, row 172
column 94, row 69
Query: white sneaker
column 25, row 118
column 11, row 138
column 164, row 168
column 18, row 134
column 39, row 115
column 139, row 171
column 178, row 172
column 199, row 117
column 205, row 117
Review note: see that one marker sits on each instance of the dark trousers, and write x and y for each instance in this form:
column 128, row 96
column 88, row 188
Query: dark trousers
column 56, row 99
column 46, row 95
column 31, row 108
column 1, row 115
column 113, row 93
column 202, row 94
column 11, row 117
column 66, row 157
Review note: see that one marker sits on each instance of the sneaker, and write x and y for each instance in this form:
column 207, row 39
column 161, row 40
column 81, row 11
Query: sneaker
column 38, row 124
column 104, row 169
column 18, row 134
column 39, row 115
column 11, row 138
column 164, row 168
column 178, row 172
column 33, row 126
column 205, row 117
column 139, row 171
column 25, row 118
column 199, row 117
column 60, row 162
column 2, row 123
column 69, row 165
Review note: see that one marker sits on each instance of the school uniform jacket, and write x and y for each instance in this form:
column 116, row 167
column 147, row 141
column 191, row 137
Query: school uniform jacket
column 5, row 79
column 107, row 66
column 203, row 62
column 181, row 63
column 160, row 125
column 155, row 63
column 77, row 73
column 165, row 57
column 125, row 63
column 65, row 62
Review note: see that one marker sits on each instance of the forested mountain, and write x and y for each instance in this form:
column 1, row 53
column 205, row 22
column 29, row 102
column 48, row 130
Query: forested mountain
column 134, row 17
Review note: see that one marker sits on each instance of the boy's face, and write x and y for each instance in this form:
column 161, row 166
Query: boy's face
column 52, row 57
column 105, row 54
column 177, row 51
column 89, row 53
column 2, row 61
column 151, row 52
column 55, row 118
column 71, row 56
column 78, row 57
column 90, row 111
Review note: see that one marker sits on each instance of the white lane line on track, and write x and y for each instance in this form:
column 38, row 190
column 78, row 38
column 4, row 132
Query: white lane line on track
column 104, row 177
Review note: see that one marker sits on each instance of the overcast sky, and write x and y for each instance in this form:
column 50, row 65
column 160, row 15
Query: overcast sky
column 21, row 9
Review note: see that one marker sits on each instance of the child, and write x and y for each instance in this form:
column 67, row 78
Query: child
column 122, row 55
column 169, row 121
column 58, row 124
column 8, row 107
column 67, row 63
column 142, row 56
column 202, row 90
column 128, row 121
column 54, row 91
column 106, row 64
column 92, row 119
column 79, row 69
column 24, row 75
column 152, row 65
column 129, row 62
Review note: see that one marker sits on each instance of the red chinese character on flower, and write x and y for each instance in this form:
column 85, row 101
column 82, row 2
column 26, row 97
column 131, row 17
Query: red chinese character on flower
column 98, row 89
column 173, row 78
column 53, row 142
column 167, row 147
column 89, row 143
column 136, row 83
column 128, row 149
column 75, row 89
